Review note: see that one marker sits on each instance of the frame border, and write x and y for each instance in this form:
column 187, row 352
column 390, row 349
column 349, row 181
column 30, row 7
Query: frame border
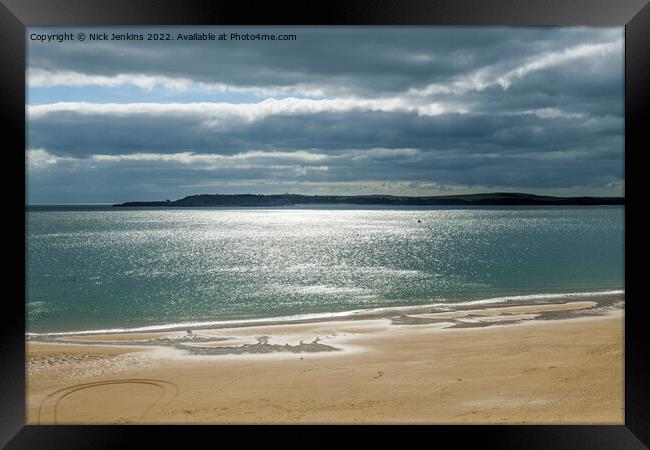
column 16, row 15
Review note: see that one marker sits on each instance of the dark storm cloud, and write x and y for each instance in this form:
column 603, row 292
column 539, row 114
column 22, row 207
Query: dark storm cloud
column 72, row 134
column 363, row 60
column 394, row 111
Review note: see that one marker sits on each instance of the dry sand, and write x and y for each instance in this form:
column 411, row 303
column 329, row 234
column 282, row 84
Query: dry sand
column 540, row 364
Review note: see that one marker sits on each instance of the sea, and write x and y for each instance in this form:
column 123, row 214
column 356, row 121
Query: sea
column 106, row 268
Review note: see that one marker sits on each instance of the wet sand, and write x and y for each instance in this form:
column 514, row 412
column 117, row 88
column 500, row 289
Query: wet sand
column 549, row 363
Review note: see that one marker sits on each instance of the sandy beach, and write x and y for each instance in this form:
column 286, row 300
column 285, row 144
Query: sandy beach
column 557, row 362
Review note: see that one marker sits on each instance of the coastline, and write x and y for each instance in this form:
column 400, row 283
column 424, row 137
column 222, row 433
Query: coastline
column 603, row 296
column 555, row 360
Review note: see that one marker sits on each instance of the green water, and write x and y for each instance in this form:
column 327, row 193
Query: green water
column 103, row 268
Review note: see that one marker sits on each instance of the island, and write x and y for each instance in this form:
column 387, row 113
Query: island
column 486, row 199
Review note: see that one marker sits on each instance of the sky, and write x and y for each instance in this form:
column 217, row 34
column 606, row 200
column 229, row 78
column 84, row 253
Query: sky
column 337, row 110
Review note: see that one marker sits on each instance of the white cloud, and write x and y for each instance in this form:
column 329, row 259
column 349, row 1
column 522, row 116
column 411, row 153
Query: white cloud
column 38, row 77
column 552, row 59
column 494, row 75
column 300, row 161
column 39, row 158
column 45, row 78
column 554, row 113
column 214, row 113
column 211, row 158
column 381, row 153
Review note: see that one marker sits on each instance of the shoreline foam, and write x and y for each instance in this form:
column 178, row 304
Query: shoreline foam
column 380, row 312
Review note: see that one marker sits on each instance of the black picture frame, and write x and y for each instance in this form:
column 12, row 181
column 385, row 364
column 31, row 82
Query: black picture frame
column 15, row 15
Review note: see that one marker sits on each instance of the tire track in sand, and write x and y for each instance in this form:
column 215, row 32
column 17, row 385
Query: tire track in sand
column 49, row 407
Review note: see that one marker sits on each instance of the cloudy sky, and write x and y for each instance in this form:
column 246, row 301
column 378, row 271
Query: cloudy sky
column 366, row 110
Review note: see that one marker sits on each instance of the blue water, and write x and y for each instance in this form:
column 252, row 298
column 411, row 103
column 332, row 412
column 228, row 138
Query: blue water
column 101, row 268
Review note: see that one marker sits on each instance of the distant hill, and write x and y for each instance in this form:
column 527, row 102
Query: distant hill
column 498, row 198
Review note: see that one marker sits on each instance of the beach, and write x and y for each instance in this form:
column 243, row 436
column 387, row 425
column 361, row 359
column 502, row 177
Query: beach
column 393, row 225
column 555, row 361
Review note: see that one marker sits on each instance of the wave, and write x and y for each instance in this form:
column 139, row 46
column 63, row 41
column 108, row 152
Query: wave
column 326, row 315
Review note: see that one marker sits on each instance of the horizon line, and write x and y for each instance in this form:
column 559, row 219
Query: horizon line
column 323, row 195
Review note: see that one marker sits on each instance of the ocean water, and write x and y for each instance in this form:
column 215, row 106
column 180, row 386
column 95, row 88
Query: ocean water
column 104, row 268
